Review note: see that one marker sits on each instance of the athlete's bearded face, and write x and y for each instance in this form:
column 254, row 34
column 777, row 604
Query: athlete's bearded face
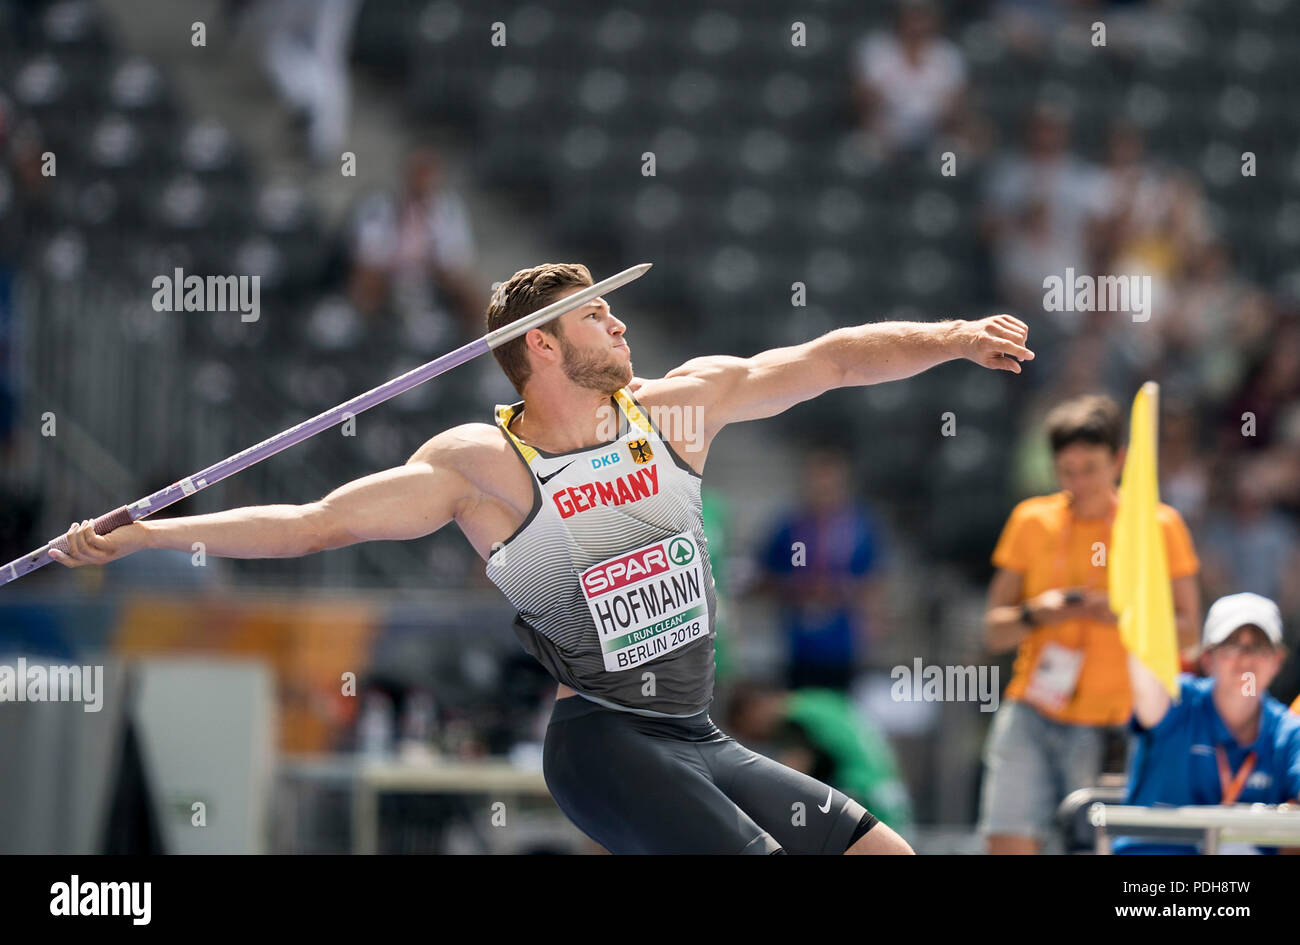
column 595, row 355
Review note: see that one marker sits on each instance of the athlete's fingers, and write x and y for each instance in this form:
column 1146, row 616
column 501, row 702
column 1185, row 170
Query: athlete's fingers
column 1008, row 327
column 76, row 544
column 1002, row 330
column 1000, row 363
column 1014, row 324
column 97, row 548
column 71, row 535
column 98, row 541
column 1017, row 351
column 79, row 543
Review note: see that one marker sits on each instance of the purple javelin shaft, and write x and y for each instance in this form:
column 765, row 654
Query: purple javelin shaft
column 141, row 508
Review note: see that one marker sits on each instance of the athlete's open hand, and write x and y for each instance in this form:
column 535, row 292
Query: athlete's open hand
column 85, row 547
column 996, row 342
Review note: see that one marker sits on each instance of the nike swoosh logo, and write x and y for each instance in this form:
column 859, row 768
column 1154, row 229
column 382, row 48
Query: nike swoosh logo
column 545, row 479
column 830, row 792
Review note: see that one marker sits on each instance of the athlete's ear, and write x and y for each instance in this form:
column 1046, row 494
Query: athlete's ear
column 542, row 343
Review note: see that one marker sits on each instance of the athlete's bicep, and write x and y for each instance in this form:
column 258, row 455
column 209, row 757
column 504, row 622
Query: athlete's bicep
column 397, row 504
column 732, row 389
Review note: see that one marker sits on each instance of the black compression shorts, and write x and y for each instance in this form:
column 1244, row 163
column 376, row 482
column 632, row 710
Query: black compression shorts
column 636, row 784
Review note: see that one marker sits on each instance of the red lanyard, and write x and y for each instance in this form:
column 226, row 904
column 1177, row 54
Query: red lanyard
column 1230, row 785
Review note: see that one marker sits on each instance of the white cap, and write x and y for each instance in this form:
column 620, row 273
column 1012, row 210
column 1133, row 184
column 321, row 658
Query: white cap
column 1229, row 613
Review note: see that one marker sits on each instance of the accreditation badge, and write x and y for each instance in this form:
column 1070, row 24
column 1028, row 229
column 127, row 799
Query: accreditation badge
column 1055, row 676
column 647, row 602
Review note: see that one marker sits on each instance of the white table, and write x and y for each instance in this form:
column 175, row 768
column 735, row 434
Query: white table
column 1260, row 824
column 369, row 779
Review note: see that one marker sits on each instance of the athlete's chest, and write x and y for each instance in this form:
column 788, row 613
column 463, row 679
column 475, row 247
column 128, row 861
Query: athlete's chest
column 613, row 476
column 599, row 488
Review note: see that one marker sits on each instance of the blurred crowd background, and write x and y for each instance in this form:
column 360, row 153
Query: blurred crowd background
column 380, row 164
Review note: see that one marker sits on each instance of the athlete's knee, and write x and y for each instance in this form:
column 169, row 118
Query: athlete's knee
column 873, row 837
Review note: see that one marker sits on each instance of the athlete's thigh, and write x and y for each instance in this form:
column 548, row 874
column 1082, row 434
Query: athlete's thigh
column 803, row 814
column 636, row 793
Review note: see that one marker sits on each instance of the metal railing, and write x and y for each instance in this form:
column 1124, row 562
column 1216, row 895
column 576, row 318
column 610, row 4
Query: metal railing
column 114, row 377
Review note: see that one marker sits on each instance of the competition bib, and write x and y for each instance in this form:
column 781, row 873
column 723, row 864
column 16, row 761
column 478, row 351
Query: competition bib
column 647, row 602
column 1055, row 676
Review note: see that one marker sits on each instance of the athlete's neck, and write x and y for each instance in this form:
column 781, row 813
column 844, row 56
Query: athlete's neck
column 563, row 422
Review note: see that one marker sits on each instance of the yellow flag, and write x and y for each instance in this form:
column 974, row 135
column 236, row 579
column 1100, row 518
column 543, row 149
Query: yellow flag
column 1137, row 565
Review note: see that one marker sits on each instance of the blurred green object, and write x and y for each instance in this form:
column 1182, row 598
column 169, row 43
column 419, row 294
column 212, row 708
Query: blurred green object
column 865, row 767
column 714, row 511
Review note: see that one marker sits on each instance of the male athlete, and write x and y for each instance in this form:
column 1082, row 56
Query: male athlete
column 588, row 515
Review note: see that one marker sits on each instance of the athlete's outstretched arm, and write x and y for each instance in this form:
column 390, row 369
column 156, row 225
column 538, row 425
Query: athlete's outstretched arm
column 731, row 389
column 405, row 502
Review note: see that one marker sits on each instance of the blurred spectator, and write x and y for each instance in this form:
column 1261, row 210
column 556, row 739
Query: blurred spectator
column 909, row 82
column 305, row 52
column 1255, row 742
column 818, row 732
column 1268, row 393
column 24, row 198
column 1027, row 26
column 821, row 563
column 1217, row 324
column 408, row 247
column 1043, row 204
column 1153, row 219
column 1049, row 598
column 1036, row 27
column 1184, row 477
column 1250, row 544
column 11, row 239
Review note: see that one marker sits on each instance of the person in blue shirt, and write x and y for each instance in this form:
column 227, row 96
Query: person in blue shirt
column 1226, row 740
column 821, row 564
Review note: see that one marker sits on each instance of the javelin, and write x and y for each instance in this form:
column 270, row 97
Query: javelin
column 127, row 514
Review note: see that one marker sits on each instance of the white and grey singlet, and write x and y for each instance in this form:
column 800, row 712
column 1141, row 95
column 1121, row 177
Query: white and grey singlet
column 610, row 570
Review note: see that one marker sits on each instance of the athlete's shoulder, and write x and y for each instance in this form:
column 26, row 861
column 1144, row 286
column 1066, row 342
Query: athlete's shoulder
column 462, row 444
column 696, row 381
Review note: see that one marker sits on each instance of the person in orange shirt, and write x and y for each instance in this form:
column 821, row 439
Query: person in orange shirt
column 1048, row 598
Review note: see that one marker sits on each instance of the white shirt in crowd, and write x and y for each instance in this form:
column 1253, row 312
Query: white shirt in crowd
column 413, row 237
column 912, row 96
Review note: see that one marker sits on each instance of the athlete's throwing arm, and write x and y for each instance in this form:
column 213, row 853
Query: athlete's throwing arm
column 730, row 389
column 468, row 473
